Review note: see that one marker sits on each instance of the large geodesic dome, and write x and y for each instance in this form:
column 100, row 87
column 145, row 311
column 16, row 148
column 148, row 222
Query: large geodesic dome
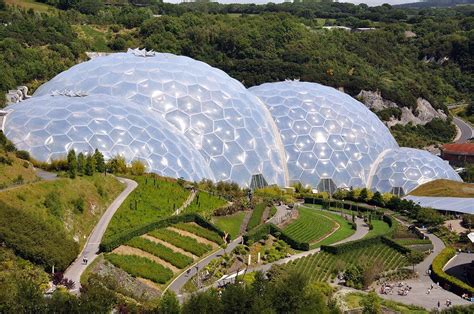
column 49, row 126
column 228, row 125
column 399, row 171
column 330, row 139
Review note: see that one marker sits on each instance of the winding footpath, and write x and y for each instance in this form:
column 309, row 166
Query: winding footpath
column 465, row 130
column 91, row 248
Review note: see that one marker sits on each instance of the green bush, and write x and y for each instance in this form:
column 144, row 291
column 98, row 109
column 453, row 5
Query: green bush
column 188, row 244
column 35, row 238
column 448, row 282
column 201, row 232
column 161, row 251
column 138, row 266
column 22, row 154
column 256, row 217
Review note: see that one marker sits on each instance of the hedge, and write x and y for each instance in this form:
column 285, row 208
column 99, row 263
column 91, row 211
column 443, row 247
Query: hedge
column 115, row 241
column 346, row 204
column 353, row 245
column 448, row 282
column 261, row 231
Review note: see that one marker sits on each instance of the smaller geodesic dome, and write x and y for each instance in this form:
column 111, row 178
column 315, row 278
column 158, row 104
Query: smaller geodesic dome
column 49, row 126
column 330, row 139
column 399, row 171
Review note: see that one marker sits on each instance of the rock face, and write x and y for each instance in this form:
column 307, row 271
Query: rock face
column 423, row 113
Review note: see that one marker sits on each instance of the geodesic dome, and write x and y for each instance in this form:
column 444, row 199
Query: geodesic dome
column 399, row 171
column 49, row 126
column 228, row 125
column 330, row 139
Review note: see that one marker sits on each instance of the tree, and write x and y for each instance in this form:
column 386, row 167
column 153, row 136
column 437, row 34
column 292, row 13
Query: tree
column 363, row 196
column 138, row 167
column 117, row 165
column 371, row 303
column 90, row 165
column 81, row 163
column 377, row 199
column 99, row 161
column 414, row 257
column 169, row 304
column 72, row 163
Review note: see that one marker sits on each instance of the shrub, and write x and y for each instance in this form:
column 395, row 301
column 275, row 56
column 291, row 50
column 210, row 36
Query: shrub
column 188, row 244
column 36, row 239
column 22, row 154
column 138, row 266
column 448, row 282
column 79, row 204
column 161, row 251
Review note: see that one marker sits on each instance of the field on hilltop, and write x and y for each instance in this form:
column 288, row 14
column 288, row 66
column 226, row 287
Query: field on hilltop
column 445, row 188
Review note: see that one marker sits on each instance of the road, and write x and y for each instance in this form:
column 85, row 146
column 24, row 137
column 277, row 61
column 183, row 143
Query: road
column 91, row 248
column 466, row 130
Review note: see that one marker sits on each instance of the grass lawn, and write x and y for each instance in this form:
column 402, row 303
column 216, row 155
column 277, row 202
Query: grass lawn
column 153, row 199
column 310, row 226
column 444, row 187
column 380, row 228
column 55, row 202
column 353, row 301
column 31, row 4
column 256, row 217
column 205, row 204
column 343, row 232
column 230, row 224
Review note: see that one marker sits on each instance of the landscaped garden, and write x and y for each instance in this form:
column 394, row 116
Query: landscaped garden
column 231, row 223
column 257, row 214
column 311, row 226
column 205, row 204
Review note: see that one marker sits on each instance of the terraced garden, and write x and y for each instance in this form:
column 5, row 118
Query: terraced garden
column 320, row 266
column 230, row 224
column 162, row 254
column 311, row 226
column 256, row 218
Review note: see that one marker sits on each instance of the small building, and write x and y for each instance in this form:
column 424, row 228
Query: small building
column 458, row 154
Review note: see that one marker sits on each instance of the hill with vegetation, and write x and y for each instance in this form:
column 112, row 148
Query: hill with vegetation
column 445, row 188
column 409, row 55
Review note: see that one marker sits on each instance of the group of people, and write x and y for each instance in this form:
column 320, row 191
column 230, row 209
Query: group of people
column 387, row 288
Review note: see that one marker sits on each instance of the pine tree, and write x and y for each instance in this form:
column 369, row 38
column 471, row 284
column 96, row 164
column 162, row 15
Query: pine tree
column 99, row 161
column 72, row 163
column 81, row 163
column 90, row 165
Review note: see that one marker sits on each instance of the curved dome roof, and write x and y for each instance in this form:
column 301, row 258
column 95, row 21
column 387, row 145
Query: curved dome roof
column 402, row 170
column 227, row 124
column 49, row 126
column 326, row 134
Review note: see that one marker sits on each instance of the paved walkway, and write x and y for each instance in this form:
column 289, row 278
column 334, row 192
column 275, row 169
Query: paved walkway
column 281, row 215
column 466, row 131
column 186, row 203
column 91, row 248
column 418, row 294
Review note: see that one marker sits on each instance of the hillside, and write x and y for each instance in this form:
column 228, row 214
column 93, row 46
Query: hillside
column 445, row 188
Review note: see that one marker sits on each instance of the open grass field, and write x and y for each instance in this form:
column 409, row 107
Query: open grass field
column 345, row 230
column 230, row 224
column 353, row 301
column 18, row 172
column 31, row 4
column 380, row 228
column 153, row 199
column 445, row 188
column 256, row 218
column 310, row 226
column 321, row 266
column 205, row 204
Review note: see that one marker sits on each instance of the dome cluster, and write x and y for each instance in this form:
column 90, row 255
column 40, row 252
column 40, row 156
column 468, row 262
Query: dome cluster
column 184, row 118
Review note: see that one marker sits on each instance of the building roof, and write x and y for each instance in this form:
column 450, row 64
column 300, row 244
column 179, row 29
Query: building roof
column 464, row 148
column 456, row 204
